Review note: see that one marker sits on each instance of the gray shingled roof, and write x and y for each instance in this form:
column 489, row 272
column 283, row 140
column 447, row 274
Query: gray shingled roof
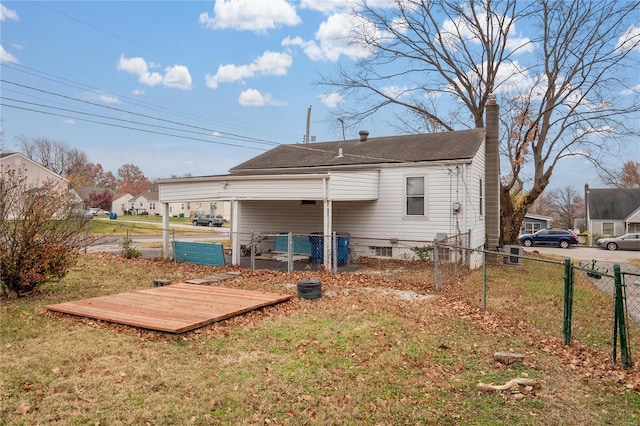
column 457, row 145
column 613, row 203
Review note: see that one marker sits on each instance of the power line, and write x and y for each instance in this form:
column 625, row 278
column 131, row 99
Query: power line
column 249, row 139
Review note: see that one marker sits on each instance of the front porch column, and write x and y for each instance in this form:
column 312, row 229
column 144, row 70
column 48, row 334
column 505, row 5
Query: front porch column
column 165, row 229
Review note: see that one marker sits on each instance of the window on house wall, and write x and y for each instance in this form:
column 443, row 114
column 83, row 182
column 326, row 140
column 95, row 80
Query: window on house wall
column 531, row 227
column 415, row 195
column 607, row 228
column 152, row 206
column 189, row 206
column 382, row 251
column 481, row 200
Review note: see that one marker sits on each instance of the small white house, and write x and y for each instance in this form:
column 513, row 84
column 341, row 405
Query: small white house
column 398, row 187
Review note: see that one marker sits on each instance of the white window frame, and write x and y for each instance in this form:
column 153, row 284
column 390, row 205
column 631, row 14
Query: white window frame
column 613, row 228
column 406, row 196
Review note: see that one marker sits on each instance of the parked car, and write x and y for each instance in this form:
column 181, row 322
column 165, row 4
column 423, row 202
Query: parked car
column 95, row 211
column 555, row 237
column 209, row 220
column 623, row 242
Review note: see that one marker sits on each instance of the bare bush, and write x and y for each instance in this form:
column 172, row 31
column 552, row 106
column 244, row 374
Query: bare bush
column 40, row 232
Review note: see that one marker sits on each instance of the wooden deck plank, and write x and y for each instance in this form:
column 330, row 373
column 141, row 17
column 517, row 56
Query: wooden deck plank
column 174, row 308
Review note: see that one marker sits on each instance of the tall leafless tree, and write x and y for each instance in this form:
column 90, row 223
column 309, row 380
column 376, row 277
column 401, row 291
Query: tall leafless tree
column 433, row 61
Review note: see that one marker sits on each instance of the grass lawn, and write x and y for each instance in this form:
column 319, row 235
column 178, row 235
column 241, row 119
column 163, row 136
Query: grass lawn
column 361, row 354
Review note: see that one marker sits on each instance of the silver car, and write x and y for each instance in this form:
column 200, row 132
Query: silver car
column 623, row 242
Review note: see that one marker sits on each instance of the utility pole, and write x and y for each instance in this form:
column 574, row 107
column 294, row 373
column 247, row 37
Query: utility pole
column 306, row 139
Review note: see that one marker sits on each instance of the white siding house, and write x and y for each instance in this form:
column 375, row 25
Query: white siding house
column 391, row 188
column 35, row 174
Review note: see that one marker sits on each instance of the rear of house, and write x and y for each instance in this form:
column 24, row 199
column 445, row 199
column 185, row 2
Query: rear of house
column 410, row 187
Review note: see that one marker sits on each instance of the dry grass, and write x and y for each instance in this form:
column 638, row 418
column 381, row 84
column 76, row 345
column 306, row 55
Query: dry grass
column 359, row 355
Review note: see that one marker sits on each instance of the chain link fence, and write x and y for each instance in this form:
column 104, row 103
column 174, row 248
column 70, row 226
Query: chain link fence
column 560, row 298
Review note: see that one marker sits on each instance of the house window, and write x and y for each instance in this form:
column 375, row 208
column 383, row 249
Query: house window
column 382, row 251
column 415, row 195
column 152, row 206
column 481, row 188
column 189, row 205
column 531, row 227
column 607, row 228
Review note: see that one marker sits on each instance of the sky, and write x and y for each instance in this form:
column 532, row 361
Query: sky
column 189, row 87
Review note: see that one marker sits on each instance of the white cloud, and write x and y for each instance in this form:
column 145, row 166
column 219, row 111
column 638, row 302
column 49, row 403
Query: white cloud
column 335, row 37
column 270, row 63
column 630, row 40
column 331, row 100
column 250, row 15
column 325, row 6
column 8, row 14
column 252, row 97
column 138, row 92
column 632, row 91
column 69, row 121
column 108, row 99
column 176, row 76
column 395, row 92
column 7, row 57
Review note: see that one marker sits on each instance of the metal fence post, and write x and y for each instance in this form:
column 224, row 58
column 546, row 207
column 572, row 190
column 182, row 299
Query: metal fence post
column 619, row 325
column 253, row 251
column 568, row 301
column 436, row 266
column 484, row 281
column 290, row 252
column 334, row 252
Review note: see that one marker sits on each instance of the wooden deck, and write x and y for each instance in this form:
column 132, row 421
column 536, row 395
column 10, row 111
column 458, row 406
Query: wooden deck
column 173, row 308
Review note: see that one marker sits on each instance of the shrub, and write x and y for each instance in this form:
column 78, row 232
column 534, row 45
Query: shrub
column 40, row 233
column 423, row 252
column 128, row 250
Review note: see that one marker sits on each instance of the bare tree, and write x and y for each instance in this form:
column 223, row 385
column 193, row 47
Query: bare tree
column 566, row 205
column 56, row 156
column 628, row 177
column 572, row 100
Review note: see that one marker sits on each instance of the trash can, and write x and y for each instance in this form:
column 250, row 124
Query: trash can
column 309, row 289
column 317, row 247
column 113, row 216
column 343, row 248
column 181, row 214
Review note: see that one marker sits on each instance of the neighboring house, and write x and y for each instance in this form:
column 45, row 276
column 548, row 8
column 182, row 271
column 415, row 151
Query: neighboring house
column 35, row 174
column 84, row 192
column 533, row 223
column 389, row 188
column 612, row 211
column 121, row 203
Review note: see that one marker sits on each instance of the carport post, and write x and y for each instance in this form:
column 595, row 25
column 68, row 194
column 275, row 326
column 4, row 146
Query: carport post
column 165, row 229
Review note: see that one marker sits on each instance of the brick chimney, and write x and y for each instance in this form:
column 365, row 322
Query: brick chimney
column 492, row 174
